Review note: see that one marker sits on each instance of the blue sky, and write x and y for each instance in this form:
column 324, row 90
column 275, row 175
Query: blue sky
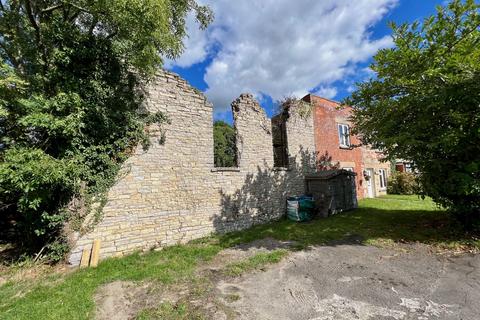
column 278, row 48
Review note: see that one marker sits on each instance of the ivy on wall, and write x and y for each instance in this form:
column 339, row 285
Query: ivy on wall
column 70, row 79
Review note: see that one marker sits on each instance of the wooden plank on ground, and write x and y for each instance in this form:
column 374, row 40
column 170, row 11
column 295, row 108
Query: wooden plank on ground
column 95, row 253
column 85, row 258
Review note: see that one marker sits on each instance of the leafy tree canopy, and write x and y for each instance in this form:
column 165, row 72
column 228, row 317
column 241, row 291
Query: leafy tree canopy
column 424, row 104
column 70, row 75
column 224, row 144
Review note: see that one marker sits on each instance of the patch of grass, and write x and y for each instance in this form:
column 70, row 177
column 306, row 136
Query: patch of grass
column 255, row 262
column 232, row 297
column 389, row 219
column 72, row 297
column 383, row 221
column 168, row 311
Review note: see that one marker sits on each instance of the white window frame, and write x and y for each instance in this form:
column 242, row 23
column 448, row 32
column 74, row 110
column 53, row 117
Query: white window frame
column 383, row 178
column 348, row 169
column 344, row 135
column 408, row 167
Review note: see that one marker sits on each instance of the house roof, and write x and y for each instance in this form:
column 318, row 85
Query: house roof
column 324, row 102
column 328, row 174
column 310, row 95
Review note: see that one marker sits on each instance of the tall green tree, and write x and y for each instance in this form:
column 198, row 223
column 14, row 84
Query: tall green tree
column 224, row 144
column 70, row 90
column 424, row 104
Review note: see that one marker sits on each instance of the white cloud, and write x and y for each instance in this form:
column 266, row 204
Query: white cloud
column 284, row 47
column 351, row 88
column 197, row 45
column 326, row 92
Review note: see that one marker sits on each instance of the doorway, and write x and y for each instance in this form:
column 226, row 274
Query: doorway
column 370, row 177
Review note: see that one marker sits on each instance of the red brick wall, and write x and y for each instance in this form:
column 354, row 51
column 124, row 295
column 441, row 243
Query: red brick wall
column 327, row 115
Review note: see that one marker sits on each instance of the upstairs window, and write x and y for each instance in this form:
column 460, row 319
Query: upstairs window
column 344, row 135
column 383, row 178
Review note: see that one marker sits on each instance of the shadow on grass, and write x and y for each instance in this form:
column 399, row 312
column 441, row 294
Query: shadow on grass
column 391, row 219
column 9, row 254
column 71, row 296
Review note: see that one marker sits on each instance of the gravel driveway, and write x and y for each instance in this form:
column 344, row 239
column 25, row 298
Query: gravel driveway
column 353, row 281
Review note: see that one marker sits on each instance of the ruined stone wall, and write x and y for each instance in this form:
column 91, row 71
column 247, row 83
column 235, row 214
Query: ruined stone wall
column 171, row 193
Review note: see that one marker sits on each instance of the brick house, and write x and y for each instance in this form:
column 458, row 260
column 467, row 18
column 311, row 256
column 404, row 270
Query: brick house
column 333, row 139
column 404, row 166
column 374, row 167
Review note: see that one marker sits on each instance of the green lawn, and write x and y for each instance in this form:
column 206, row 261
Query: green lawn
column 390, row 218
column 382, row 221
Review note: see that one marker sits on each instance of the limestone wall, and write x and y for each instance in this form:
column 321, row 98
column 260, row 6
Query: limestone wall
column 171, row 193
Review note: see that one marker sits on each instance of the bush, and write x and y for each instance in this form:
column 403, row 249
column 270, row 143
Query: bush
column 71, row 87
column 34, row 187
column 423, row 105
column 403, row 183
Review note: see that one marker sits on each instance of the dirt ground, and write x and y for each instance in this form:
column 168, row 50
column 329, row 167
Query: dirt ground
column 341, row 281
column 123, row 300
column 352, row 281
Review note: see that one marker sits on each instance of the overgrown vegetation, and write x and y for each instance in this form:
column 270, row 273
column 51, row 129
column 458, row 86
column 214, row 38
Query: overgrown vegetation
column 225, row 149
column 423, row 105
column 302, row 108
column 384, row 221
column 70, row 78
column 403, row 183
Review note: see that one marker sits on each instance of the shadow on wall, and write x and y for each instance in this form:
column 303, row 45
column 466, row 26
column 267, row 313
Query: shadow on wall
column 263, row 195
